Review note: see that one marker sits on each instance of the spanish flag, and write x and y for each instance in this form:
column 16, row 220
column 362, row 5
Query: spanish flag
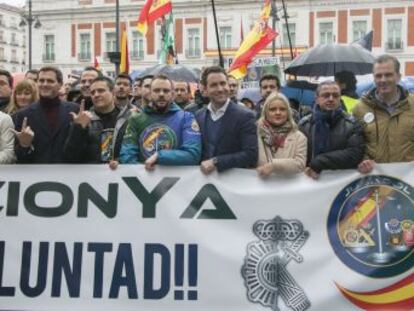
column 257, row 39
column 96, row 64
column 124, row 65
column 398, row 296
column 152, row 10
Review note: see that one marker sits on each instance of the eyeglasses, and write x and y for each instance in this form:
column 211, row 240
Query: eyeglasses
column 327, row 95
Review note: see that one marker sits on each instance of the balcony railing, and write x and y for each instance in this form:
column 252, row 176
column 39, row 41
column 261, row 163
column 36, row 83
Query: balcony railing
column 137, row 54
column 14, row 61
column 193, row 53
column 394, row 45
column 14, row 43
column 84, row 57
column 3, row 41
column 48, row 58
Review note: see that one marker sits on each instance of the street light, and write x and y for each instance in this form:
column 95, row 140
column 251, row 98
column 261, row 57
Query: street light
column 29, row 19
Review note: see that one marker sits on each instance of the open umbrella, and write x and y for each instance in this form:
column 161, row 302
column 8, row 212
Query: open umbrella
column 174, row 72
column 328, row 59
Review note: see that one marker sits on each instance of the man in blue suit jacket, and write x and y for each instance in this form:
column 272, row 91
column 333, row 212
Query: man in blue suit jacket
column 228, row 130
column 42, row 127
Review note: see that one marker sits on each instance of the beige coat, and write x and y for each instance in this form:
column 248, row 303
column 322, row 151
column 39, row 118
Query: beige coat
column 291, row 158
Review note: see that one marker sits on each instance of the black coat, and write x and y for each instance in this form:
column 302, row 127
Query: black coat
column 346, row 141
column 84, row 145
column 47, row 145
column 237, row 146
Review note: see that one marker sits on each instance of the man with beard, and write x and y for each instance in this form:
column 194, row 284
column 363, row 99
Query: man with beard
column 6, row 85
column 146, row 91
column 42, row 128
column 122, row 90
column 88, row 75
column 182, row 93
column 95, row 136
column 161, row 133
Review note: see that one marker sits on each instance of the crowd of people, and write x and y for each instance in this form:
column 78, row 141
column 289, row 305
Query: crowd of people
column 155, row 121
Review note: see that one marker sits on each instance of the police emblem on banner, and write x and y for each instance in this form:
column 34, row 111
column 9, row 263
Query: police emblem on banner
column 265, row 269
column 371, row 229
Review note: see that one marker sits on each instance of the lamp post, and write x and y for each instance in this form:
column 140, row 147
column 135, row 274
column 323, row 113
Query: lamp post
column 30, row 20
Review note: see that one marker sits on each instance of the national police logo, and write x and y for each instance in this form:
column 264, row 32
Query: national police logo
column 265, row 266
column 157, row 137
column 371, row 226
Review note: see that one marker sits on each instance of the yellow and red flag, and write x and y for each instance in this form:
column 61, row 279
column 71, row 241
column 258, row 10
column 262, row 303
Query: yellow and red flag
column 398, row 296
column 96, row 64
column 124, row 64
column 152, row 10
column 257, row 39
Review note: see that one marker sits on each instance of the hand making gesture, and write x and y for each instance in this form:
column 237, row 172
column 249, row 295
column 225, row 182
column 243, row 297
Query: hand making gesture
column 25, row 136
column 83, row 118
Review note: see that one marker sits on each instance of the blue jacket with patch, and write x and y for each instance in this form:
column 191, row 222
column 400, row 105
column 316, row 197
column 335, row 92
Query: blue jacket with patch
column 174, row 135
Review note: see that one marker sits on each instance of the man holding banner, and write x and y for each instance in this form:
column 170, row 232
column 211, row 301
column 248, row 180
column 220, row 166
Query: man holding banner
column 161, row 133
column 387, row 113
column 335, row 140
column 228, row 129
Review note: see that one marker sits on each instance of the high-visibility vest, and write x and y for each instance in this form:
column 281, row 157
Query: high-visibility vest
column 349, row 103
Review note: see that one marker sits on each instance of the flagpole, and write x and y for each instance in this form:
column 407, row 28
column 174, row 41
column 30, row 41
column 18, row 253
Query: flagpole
column 117, row 35
column 221, row 60
column 287, row 28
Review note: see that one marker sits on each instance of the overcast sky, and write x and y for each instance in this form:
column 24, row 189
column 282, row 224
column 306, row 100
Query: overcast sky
column 14, row 2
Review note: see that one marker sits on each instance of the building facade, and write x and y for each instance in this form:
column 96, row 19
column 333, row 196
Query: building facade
column 12, row 39
column 74, row 32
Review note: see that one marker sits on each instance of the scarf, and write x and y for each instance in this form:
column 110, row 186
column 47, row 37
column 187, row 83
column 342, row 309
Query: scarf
column 324, row 120
column 274, row 136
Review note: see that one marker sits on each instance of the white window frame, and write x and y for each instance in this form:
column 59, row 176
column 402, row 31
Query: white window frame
column 144, row 46
column 334, row 28
column 403, row 19
column 91, row 47
column 186, row 43
column 231, row 39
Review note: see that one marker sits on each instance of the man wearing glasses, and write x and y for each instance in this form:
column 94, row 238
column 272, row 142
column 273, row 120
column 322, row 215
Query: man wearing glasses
column 335, row 139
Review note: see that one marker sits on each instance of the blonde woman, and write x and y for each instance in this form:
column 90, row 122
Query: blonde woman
column 24, row 94
column 282, row 147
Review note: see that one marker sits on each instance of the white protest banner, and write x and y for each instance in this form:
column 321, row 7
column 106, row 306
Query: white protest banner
column 86, row 238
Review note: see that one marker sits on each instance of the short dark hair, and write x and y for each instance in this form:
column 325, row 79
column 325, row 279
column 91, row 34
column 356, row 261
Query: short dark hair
column 270, row 77
column 385, row 58
column 162, row 77
column 182, row 81
column 8, row 75
column 209, row 70
column 124, row 76
column 58, row 73
column 324, row 83
column 34, row 71
column 91, row 68
column 107, row 80
column 139, row 80
column 147, row 77
column 348, row 78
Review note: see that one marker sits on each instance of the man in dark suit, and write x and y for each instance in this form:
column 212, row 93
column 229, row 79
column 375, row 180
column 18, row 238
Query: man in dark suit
column 42, row 128
column 228, row 130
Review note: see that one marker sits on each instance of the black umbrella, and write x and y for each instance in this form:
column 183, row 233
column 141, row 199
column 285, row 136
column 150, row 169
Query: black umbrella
column 174, row 72
column 328, row 59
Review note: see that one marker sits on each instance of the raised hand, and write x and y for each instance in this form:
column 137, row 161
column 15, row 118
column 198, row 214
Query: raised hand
column 25, row 136
column 83, row 118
